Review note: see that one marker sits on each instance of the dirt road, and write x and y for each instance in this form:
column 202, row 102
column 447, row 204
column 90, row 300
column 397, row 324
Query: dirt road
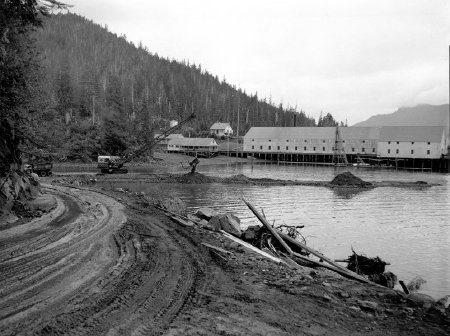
column 112, row 264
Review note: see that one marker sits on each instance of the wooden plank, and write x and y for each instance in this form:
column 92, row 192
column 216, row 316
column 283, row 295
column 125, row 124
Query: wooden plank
column 179, row 220
column 216, row 248
column 269, row 227
column 251, row 247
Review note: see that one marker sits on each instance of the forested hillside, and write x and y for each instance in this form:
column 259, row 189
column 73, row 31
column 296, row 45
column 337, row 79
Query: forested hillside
column 104, row 94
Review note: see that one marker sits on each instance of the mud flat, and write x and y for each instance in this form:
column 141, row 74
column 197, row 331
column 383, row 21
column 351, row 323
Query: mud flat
column 198, row 178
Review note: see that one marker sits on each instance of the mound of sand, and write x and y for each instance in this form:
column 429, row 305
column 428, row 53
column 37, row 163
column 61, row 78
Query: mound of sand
column 240, row 178
column 194, row 178
column 347, row 179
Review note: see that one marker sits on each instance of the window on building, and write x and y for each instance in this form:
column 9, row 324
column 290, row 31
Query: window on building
column 389, row 151
column 314, row 148
column 270, row 140
column 398, row 142
column 323, row 148
column 304, row 148
column 278, row 147
column 253, row 147
column 287, row 147
column 389, row 142
column 270, row 147
column 260, row 147
column 412, row 151
column 364, row 141
column 396, row 151
column 353, row 149
column 363, row 149
column 323, row 141
column 429, row 143
column 287, row 140
column 295, row 147
column 306, row 140
column 373, row 150
column 428, row 152
column 412, row 142
column 253, row 139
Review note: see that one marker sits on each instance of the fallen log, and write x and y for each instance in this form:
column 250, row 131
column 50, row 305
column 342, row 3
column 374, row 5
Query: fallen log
column 251, row 247
column 336, row 267
column 183, row 222
column 272, row 230
column 216, row 248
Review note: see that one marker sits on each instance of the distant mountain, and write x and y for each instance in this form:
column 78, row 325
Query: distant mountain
column 421, row 115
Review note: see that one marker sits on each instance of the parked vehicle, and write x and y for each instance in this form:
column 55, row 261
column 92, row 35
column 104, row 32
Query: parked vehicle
column 41, row 164
column 109, row 164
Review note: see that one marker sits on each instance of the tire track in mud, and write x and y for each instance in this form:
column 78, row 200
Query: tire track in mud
column 52, row 264
column 99, row 274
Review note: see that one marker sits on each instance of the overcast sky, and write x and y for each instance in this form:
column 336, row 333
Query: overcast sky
column 352, row 58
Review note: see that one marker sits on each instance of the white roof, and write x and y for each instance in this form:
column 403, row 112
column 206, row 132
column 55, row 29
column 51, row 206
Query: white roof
column 313, row 132
column 412, row 133
column 220, row 126
column 193, row 142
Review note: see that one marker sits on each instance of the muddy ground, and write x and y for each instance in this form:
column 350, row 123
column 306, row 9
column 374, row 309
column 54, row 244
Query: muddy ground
column 105, row 262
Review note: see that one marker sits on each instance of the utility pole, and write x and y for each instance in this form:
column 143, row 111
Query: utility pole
column 237, row 130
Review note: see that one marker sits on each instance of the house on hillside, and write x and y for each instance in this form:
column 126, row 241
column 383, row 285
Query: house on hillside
column 197, row 146
column 424, row 142
column 221, row 129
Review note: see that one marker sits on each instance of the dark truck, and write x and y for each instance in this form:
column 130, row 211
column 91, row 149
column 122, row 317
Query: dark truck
column 39, row 164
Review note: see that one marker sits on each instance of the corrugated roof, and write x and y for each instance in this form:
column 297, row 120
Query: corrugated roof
column 360, row 133
column 193, row 142
column 291, row 132
column 220, row 126
column 313, row 132
column 412, row 133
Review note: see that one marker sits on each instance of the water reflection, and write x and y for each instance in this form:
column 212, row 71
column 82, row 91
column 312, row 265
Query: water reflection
column 347, row 193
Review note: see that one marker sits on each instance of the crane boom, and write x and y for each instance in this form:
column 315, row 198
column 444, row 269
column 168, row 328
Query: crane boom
column 156, row 140
column 116, row 166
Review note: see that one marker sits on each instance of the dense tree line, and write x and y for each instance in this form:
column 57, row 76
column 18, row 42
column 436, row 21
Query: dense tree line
column 85, row 91
column 106, row 94
column 20, row 75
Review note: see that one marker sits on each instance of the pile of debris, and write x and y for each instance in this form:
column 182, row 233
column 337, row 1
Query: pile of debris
column 347, row 179
column 373, row 268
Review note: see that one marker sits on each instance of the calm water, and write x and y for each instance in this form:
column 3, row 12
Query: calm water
column 408, row 228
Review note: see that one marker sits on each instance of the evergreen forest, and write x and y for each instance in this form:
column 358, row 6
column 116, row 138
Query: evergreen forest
column 97, row 93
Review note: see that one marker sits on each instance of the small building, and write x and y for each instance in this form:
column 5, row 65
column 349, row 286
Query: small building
column 197, row 146
column 416, row 142
column 164, row 142
column 221, row 129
